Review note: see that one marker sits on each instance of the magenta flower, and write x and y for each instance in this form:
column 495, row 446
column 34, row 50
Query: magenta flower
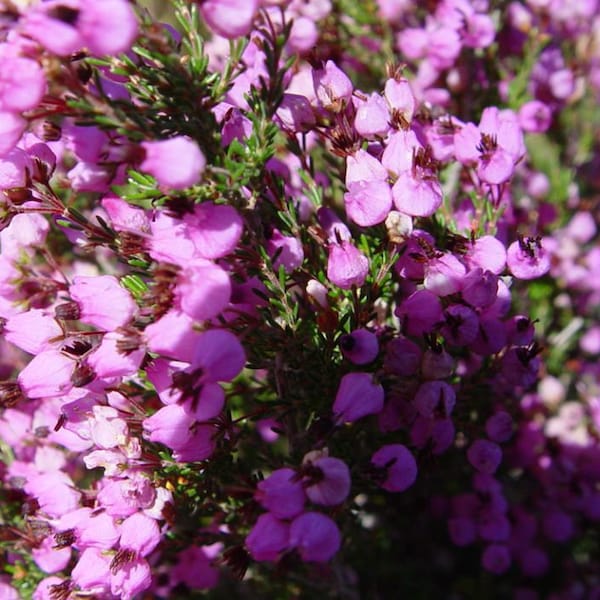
column 108, row 27
column 327, row 481
column 357, row 397
column 282, row 494
column 15, row 169
column 203, row 290
column 315, row 536
column 32, row 330
column 229, row 18
column 12, row 127
column 130, row 579
column 176, row 163
column 399, row 464
column 347, row 265
column 47, row 375
column 214, row 229
column 92, row 571
column 359, row 347
column 368, row 202
column 333, row 88
column 22, row 82
column 102, row 301
column 139, row 533
column 527, row 258
column 435, row 398
column 372, row 117
column 268, row 538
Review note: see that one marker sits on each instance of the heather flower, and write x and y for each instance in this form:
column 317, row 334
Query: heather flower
column 203, row 290
column 92, row 571
column 281, row 493
column 130, row 579
column 327, row 480
column 108, row 27
column 48, row 374
column 419, row 312
column 101, row 301
column 485, row 456
column 268, row 538
column 214, row 229
column 12, row 127
column 50, row 559
column 360, row 347
column 527, row 258
column 295, row 112
column 496, row 558
column 332, row 86
column 347, row 266
column 32, row 331
column 286, row 249
column 357, row 397
column 399, row 465
column 229, row 18
column 315, row 536
column 434, row 398
column 176, row 163
column 15, row 169
column 139, row 533
column 372, row 118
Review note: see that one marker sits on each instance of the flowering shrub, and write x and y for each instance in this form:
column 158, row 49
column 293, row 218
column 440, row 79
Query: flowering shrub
column 299, row 299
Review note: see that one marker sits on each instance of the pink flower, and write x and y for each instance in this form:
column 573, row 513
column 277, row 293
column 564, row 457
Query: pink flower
column 176, row 163
column 347, row 265
column 102, row 301
column 229, row 18
column 22, row 82
column 130, row 579
column 107, row 27
column 527, row 258
column 32, row 330
column 214, row 229
column 333, row 88
column 139, row 533
column 203, row 290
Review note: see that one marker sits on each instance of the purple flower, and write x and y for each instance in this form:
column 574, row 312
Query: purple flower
column 268, row 538
column 315, row 536
column 496, row 559
column 282, row 494
column 485, row 456
column 359, row 347
column 327, row 480
column 357, row 397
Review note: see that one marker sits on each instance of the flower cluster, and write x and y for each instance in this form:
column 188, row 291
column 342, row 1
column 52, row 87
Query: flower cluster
column 285, row 284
